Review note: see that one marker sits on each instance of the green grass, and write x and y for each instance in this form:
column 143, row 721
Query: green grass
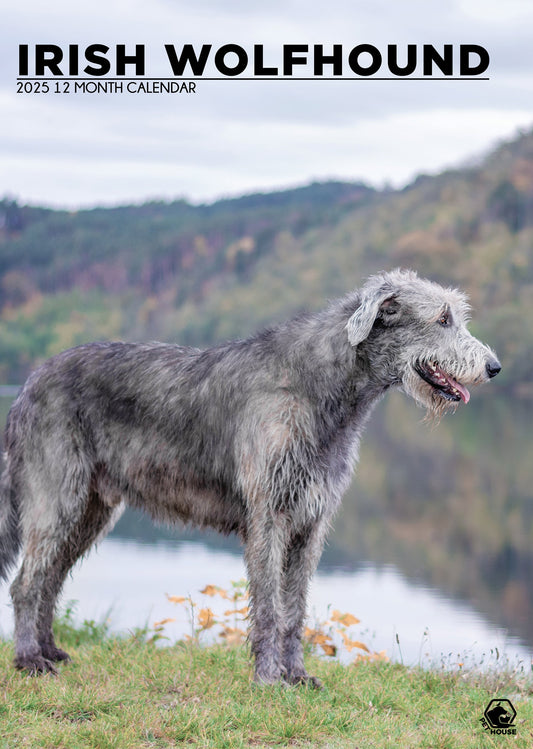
column 126, row 692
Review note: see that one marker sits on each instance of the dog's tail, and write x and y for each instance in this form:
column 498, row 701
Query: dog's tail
column 9, row 524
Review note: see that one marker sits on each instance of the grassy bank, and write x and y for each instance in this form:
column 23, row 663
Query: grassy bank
column 126, row 692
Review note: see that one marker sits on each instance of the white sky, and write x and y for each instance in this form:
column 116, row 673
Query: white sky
column 232, row 136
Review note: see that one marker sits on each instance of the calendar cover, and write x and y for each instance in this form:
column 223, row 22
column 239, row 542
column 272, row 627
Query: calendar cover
column 240, row 246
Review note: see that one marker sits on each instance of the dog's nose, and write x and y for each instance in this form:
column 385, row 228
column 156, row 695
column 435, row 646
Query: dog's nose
column 493, row 367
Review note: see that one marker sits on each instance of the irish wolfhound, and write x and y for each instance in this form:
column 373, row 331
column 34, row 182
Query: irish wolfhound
column 257, row 436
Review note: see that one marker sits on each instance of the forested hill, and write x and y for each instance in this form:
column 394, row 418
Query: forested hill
column 198, row 274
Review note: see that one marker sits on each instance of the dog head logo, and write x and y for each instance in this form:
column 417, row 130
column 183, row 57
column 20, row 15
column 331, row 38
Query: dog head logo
column 500, row 714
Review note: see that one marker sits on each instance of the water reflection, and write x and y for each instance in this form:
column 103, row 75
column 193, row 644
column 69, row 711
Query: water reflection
column 452, row 507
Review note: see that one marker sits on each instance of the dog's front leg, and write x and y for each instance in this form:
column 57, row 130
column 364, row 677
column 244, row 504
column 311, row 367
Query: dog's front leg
column 302, row 558
column 266, row 544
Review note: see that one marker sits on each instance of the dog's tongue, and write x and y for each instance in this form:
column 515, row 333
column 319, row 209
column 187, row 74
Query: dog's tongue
column 463, row 392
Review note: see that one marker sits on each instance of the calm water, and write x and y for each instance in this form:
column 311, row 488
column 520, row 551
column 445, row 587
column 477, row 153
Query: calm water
column 126, row 582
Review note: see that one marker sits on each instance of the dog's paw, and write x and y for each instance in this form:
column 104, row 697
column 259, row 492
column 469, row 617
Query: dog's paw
column 304, row 680
column 269, row 676
column 35, row 665
column 55, row 654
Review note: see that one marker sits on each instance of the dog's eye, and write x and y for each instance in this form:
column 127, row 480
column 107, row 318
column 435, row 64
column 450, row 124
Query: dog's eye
column 444, row 319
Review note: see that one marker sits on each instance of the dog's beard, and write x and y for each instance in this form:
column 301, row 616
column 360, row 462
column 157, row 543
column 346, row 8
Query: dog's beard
column 432, row 399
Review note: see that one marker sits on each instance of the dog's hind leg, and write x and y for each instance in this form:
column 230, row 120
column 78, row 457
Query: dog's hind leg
column 28, row 591
column 54, row 537
column 98, row 517
column 31, row 591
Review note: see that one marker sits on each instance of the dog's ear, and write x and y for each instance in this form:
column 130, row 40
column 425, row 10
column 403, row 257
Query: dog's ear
column 373, row 300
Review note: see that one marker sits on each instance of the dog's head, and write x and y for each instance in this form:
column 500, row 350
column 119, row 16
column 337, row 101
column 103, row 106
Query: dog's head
column 415, row 334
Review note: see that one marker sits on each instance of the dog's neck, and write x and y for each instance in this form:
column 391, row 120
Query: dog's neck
column 346, row 377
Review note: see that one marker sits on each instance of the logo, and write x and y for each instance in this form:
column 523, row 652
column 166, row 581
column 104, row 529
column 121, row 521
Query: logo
column 499, row 717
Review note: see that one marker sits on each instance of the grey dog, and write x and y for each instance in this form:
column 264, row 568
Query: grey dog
column 256, row 436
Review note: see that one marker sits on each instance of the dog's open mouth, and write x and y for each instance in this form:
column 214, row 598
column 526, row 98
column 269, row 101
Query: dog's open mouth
column 445, row 384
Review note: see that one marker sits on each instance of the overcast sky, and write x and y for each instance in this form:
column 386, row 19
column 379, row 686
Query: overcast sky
column 233, row 136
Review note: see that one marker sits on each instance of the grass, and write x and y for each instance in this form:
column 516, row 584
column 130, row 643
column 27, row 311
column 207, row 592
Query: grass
column 127, row 692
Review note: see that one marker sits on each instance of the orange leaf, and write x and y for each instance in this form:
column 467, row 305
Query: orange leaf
column 361, row 645
column 214, row 590
column 345, row 619
column 351, row 644
column 176, row 599
column 206, row 618
column 328, row 649
column 381, row 656
column 163, row 622
column 244, row 611
column 233, row 635
column 316, row 637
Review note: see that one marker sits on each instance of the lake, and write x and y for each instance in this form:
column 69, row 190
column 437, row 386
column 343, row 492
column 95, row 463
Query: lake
column 389, row 566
